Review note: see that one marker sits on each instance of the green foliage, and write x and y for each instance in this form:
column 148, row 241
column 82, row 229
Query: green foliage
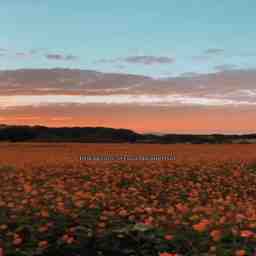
column 129, row 239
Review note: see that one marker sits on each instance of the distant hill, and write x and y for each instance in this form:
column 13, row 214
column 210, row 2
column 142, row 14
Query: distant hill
column 15, row 133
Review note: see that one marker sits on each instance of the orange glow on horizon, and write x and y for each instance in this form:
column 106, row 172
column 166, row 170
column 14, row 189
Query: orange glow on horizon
column 197, row 122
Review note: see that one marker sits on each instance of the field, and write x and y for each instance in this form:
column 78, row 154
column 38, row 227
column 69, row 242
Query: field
column 201, row 203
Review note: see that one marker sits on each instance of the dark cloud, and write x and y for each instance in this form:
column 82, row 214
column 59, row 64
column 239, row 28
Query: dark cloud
column 57, row 56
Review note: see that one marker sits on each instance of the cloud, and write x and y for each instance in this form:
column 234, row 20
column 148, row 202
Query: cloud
column 148, row 60
column 141, row 59
column 65, row 81
column 57, row 56
column 189, row 74
column 36, row 51
column 225, row 67
column 71, row 57
column 201, row 58
column 23, row 54
column 3, row 52
column 120, row 99
column 230, row 87
column 104, row 61
column 208, row 54
column 32, row 52
column 214, row 51
column 120, row 66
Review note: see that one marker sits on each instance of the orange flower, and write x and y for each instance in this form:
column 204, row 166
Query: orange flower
column 216, row 235
column 148, row 221
column 17, row 241
column 168, row 237
column 237, row 173
column 28, row 188
column 201, row 226
column 101, row 225
column 240, row 253
column 43, row 244
column 43, row 229
column 3, row 227
column 44, row 213
column 65, row 237
column 182, row 208
column 70, row 240
column 123, row 213
column 167, row 254
column 246, row 233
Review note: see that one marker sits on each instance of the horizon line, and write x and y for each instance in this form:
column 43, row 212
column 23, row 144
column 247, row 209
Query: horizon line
column 134, row 131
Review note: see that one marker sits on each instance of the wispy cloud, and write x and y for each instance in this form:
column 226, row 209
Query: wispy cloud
column 23, row 54
column 103, row 61
column 201, row 58
column 35, row 51
column 229, row 87
column 149, row 60
column 71, row 57
column 39, row 52
column 120, row 99
column 209, row 54
column 189, row 74
column 141, row 59
column 225, row 67
column 57, row 56
column 214, row 51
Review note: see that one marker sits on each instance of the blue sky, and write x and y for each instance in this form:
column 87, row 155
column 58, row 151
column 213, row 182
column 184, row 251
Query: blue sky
column 198, row 36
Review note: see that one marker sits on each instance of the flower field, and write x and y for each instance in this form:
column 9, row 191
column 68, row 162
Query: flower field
column 201, row 203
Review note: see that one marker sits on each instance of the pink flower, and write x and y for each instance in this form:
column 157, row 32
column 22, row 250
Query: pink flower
column 1, row 251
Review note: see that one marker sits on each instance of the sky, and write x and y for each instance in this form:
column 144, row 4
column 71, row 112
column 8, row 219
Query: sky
column 178, row 66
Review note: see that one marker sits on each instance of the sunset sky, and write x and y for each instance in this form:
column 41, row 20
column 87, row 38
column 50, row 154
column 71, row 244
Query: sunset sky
column 151, row 66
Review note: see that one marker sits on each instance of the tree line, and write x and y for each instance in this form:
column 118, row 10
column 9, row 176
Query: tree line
column 16, row 133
